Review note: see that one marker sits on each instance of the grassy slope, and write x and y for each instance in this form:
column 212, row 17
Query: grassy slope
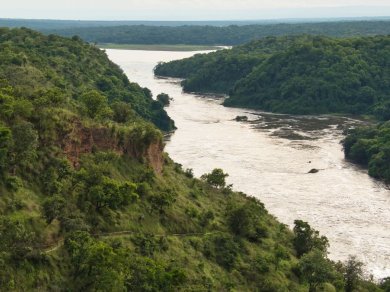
column 187, row 238
column 73, row 67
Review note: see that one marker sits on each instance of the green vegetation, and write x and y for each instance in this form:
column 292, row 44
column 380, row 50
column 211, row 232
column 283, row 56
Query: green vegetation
column 316, row 268
column 89, row 201
column 307, row 239
column 164, row 99
column 219, row 71
column 217, row 178
column 55, row 69
column 157, row 47
column 296, row 75
column 215, row 34
column 370, row 147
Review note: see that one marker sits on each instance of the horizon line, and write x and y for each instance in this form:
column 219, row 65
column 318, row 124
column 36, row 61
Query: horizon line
column 203, row 20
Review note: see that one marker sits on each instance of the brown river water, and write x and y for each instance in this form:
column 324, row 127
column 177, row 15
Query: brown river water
column 269, row 157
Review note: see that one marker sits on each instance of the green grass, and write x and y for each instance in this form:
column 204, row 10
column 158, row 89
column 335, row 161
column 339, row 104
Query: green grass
column 180, row 48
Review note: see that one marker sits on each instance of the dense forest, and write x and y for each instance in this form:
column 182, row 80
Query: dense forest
column 370, row 147
column 90, row 202
column 219, row 35
column 297, row 75
column 39, row 24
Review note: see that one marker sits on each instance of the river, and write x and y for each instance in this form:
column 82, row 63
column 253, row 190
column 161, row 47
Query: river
column 269, row 157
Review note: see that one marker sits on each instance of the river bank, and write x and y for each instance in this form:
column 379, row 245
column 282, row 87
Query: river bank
column 269, row 158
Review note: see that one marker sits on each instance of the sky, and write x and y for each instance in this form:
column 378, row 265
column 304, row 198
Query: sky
column 191, row 9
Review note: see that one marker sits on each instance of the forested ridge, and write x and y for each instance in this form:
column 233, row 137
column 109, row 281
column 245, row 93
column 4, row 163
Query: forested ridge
column 219, row 35
column 90, row 202
column 297, row 75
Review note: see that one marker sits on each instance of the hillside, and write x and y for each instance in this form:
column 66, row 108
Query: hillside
column 296, row 75
column 90, row 202
column 73, row 67
column 220, row 70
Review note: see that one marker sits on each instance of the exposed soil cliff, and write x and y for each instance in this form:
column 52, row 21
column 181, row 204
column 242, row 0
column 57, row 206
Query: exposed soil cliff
column 82, row 140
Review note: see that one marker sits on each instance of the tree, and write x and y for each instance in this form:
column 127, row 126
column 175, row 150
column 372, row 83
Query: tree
column 385, row 284
column 307, row 239
column 49, row 97
column 96, row 104
column 15, row 238
column 6, row 106
column 109, row 193
column 164, row 99
column 5, row 141
column 379, row 163
column 353, row 273
column 25, row 143
column 217, row 178
column 53, row 208
column 95, row 264
column 315, row 268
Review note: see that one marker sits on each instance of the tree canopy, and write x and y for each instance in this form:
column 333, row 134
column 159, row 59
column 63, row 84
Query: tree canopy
column 296, row 75
column 370, row 147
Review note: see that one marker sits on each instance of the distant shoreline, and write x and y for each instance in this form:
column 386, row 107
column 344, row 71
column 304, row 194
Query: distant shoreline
column 144, row 47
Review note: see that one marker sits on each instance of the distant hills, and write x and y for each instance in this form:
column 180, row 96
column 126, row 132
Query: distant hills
column 61, row 24
column 202, row 32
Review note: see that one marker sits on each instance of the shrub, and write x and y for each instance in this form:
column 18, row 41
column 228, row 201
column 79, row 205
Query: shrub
column 223, row 249
column 160, row 202
column 247, row 220
column 148, row 244
column 13, row 183
column 189, row 172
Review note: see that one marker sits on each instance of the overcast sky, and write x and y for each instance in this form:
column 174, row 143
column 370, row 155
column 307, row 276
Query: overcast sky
column 191, row 9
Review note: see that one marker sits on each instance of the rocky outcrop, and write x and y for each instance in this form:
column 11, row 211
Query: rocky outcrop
column 241, row 118
column 82, row 140
column 154, row 155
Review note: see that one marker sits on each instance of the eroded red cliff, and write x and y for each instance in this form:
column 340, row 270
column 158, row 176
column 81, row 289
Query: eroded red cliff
column 81, row 140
